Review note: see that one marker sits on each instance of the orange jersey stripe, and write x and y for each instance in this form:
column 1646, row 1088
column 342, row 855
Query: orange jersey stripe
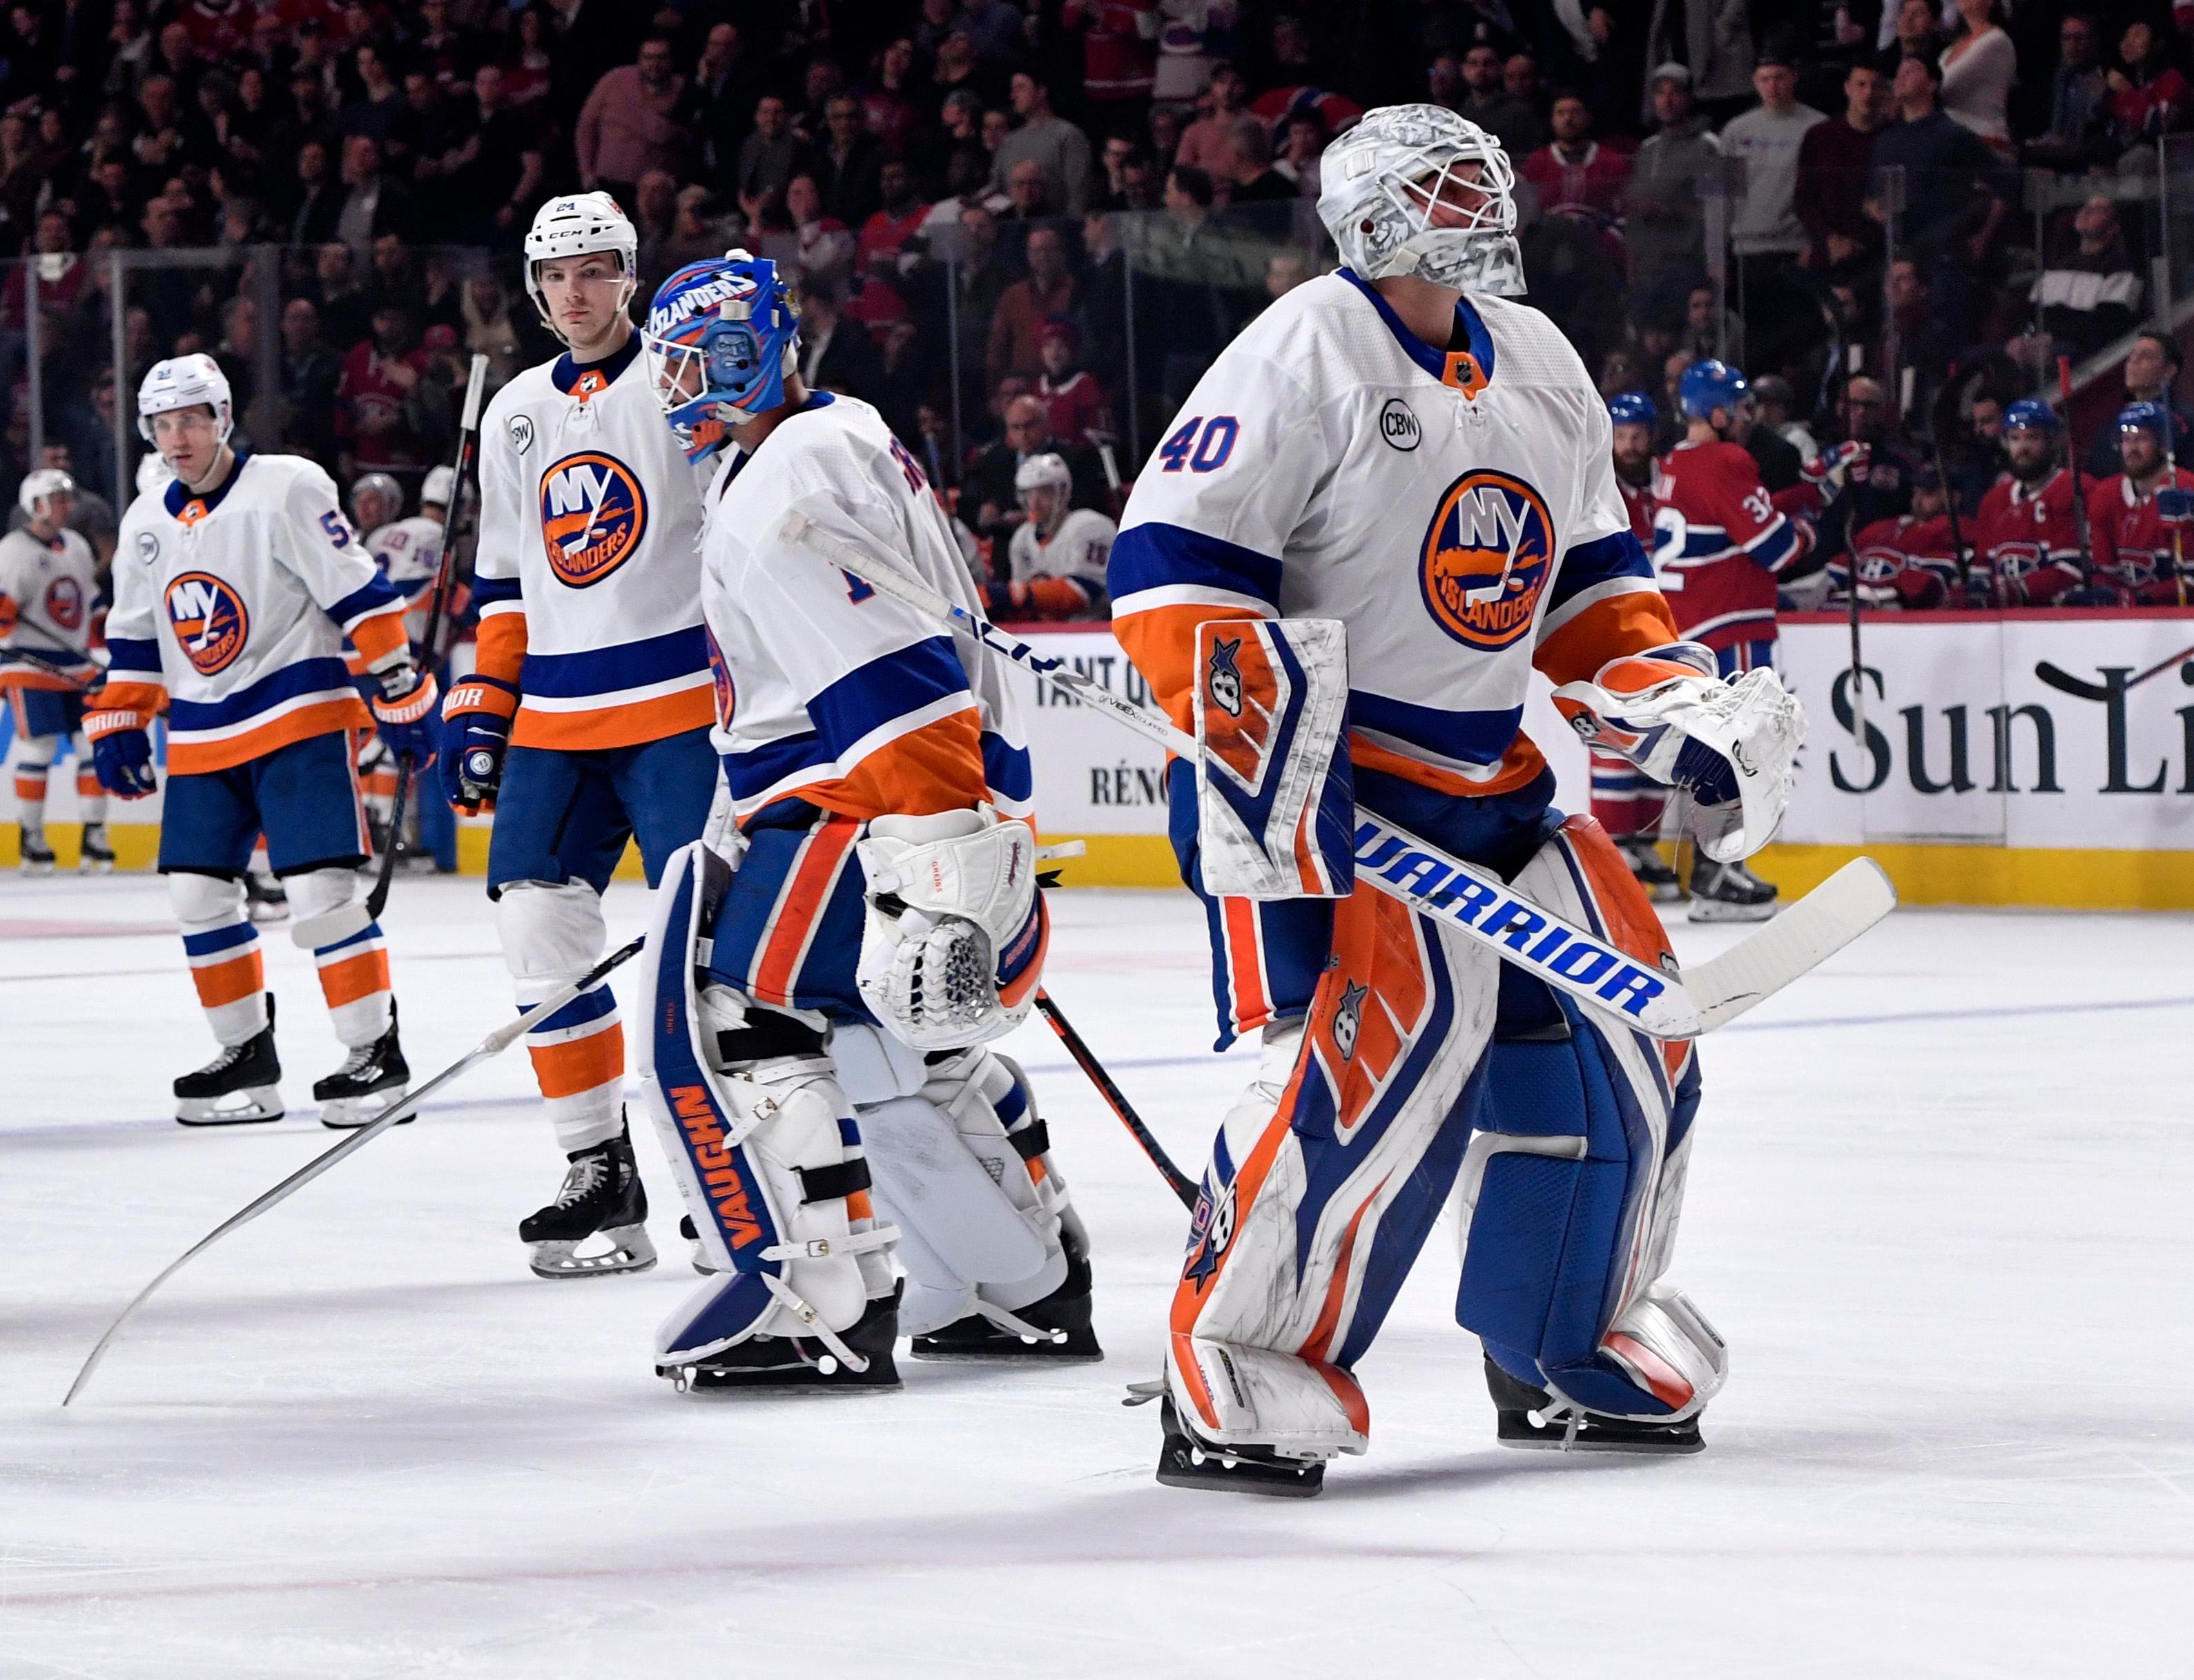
column 624, row 725
column 777, row 964
column 1522, row 761
column 580, row 1065
column 196, row 758
column 30, row 787
column 501, row 644
column 379, row 636
column 224, row 983
column 1162, row 643
column 146, row 701
column 353, row 978
column 937, row 767
column 1606, row 630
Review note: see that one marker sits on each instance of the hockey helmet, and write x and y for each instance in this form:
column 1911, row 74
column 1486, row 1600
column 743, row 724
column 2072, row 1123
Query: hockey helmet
column 38, row 486
column 384, row 490
column 576, row 226
column 1044, row 472
column 1633, row 408
column 721, row 338
column 439, row 491
column 2030, row 414
column 1384, row 180
column 2150, row 417
column 1710, row 385
column 185, row 382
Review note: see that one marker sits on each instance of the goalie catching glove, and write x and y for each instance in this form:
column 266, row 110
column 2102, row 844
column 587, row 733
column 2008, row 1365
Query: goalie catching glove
column 1731, row 746
column 954, row 938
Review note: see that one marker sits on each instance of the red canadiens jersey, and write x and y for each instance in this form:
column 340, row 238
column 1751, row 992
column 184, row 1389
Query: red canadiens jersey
column 1593, row 186
column 1637, row 500
column 1906, row 562
column 2026, row 542
column 1719, row 543
column 2132, row 543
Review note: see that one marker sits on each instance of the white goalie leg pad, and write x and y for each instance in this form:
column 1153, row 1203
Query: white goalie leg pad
column 953, row 940
column 1264, row 1398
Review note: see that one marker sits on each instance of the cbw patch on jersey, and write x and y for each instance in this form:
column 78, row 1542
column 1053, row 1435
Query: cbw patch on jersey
column 208, row 619
column 593, row 516
column 1486, row 555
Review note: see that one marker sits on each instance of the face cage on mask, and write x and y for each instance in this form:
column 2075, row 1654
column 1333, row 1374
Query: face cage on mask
column 1476, row 254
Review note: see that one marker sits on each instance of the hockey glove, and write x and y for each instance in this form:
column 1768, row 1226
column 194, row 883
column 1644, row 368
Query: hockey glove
column 2175, row 506
column 2089, row 594
column 403, row 711
column 122, row 759
column 475, row 733
column 1835, row 467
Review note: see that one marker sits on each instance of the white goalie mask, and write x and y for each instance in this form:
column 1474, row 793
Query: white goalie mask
column 1383, row 179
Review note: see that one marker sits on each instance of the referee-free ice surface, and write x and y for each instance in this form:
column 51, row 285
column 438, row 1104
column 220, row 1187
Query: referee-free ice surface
column 1939, row 1207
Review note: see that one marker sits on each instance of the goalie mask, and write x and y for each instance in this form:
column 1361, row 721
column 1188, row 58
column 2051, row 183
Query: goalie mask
column 1048, row 475
column 721, row 338
column 1415, row 189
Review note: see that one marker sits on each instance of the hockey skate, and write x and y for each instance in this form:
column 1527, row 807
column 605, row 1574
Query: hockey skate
column 1055, row 1328
column 1661, row 882
column 249, row 1073
column 353, row 1095
column 265, row 898
column 1729, row 892
column 95, row 856
column 1186, row 1460
column 601, row 1195
column 37, row 855
column 1529, row 1417
column 778, row 1364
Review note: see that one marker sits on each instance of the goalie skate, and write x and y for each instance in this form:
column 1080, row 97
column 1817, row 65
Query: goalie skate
column 241, row 1086
column 601, row 1198
column 778, row 1364
column 1186, row 1460
column 1527, row 1416
column 1055, row 1328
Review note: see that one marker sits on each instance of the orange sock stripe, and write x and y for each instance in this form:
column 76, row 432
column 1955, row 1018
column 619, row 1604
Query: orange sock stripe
column 30, row 787
column 87, row 785
column 231, row 982
column 354, row 978
column 580, row 1065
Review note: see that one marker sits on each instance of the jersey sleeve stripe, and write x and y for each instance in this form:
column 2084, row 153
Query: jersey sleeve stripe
column 1584, row 599
column 935, row 767
column 1588, row 565
column 497, row 594
column 1774, row 545
column 376, row 595
column 1605, row 628
column 876, row 700
column 1157, row 555
column 1007, row 768
column 128, row 654
column 595, row 672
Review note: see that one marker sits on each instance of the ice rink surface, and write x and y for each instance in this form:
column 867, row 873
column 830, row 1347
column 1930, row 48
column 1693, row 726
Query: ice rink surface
column 1939, row 1206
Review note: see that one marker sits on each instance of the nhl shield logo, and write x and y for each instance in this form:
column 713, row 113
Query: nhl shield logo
column 593, row 516
column 1222, row 677
column 1485, row 558
column 208, row 619
column 1348, row 1019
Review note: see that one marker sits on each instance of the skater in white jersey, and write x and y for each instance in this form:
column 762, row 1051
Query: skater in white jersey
column 49, row 592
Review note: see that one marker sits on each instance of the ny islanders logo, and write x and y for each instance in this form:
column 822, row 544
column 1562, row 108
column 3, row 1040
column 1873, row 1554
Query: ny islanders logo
column 593, row 515
column 1485, row 558
column 207, row 618
column 65, row 603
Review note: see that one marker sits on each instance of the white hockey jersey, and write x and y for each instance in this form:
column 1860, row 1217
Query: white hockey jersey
column 1455, row 508
column 49, row 592
column 828, row 692
column 409, row 553
column 587, row 577
column 231, row 609
column 1071, row 564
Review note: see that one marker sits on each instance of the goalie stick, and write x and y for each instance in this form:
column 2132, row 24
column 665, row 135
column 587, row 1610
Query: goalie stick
column 1474, row 902
column 1086, row 1059
column 493, row 1045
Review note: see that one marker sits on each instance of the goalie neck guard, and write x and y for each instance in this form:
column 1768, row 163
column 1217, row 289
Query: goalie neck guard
column 721, row 337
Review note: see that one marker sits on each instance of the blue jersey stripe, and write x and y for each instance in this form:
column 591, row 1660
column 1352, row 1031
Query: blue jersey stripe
column 1590, row 563
column 1467, row 737
column 1006, row 768
column 126, row 654
column 307, row 676
column 1157, row 556
column 604, row 670
column 367, row 597
column 887, row 687
column 491, row 591
column 749, row 773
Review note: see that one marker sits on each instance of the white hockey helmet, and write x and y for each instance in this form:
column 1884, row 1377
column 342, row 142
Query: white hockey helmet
column 185, row 382
column 1044, row 472
column 380, row 485
column 436, row 490
column 577, row 226
column 38, row 486
column 153, row 473
column 1382, row 180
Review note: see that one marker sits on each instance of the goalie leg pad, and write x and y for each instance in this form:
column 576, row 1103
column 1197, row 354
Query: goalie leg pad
column 767, row 1154
column 1571, row 1189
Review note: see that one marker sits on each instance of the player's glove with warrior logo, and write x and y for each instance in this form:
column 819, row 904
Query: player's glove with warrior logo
column 954, row 939
column 475, row 733
column 1835, row 467
column 403, row 711
column 1733, row 747
column 121, row 754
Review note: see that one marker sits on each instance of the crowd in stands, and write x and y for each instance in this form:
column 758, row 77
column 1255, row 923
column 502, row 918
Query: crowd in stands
column 1027, row 225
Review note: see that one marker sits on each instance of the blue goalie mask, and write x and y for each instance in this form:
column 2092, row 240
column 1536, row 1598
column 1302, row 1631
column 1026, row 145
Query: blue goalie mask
column 721, row 337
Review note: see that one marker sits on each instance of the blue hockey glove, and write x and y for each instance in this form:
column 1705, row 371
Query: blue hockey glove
column 405, row 712
column 122, row 759
column 475, row 733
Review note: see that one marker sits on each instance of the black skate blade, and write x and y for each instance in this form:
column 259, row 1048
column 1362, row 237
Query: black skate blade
column 960, row 1344
column 1183, row 1464
column 703, row 1382
column 1599, row 1435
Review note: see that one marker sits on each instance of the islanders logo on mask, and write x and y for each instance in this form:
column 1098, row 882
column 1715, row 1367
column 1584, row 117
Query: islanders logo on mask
column 1485, row 558
column 207, row 618
column 593, row 515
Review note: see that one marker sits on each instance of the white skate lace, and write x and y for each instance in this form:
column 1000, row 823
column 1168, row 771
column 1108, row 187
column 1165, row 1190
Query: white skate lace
column 580, row 1181
column 359, row 1061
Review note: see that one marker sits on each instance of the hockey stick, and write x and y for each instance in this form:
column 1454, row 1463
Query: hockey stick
column 347, row 922
column 2079, row 502
column 493, row 1045
column 1472, row 901
column 52, row 668
column 1086, row 1059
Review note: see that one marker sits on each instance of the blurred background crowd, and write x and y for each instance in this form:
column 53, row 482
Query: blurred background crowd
column 1026, row 226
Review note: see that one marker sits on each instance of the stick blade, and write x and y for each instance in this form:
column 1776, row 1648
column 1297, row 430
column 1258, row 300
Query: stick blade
column 330, row 927
column 1804, row 936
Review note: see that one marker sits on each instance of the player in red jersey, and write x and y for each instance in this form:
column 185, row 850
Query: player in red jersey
column 2137, row 518
column 1909, row 562
column 2026, row 538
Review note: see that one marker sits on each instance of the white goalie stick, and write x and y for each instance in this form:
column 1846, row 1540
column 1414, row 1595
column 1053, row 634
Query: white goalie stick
column 493, row 1045
column 1474, row 902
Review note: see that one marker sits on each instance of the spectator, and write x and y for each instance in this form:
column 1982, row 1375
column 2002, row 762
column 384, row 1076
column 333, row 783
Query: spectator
column 2151, row 376
column 1765, row 234
column 372, row 428
column 1028, row 193
column 1777, row 404
column 1920, row 339
column 978, row 277
column 1048, row 290
column 1245, row 165
column 1074, row 400
column 1061, row 149
column 1573, row 174
column 2090, row 294
column 346, row 311
column 1776, row 456
column 488, row 329
column 380, row 105
column 2078, row 134
column 1829, row 195
column 887, row 106
column 372, row 204
column 898, row 215
column 1956, row 190
column 1978, row 68
column 425, row 129
column 820, row 245
column 2148, row 97
column 849, row 162
column 1519, row 76
column 768, row 159
column 1665, row 224
column 836, row 354
column 1917, row 35
column 496, row 173
column 990, row 483
column 968, row 181
column 318, row 198
column 1709, row 331
column 719, row 100
column 1222, row 100
column 1188, row 59
column 1490, row 105
column 654, row 218
column 1119, row 56
column 630, row 123
column 1886, row 492
column 1305, row 145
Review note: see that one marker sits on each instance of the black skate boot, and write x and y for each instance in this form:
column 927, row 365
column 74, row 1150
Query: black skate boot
column 1524, row 1411
column 94, row 854
column 1729, row 892
column 251, row 1072
column 265, row 898
column 1660, row 881
column 353, row 1095
column 777, row 1364
column 602, row 1195
column 37, row 855
column 1057, row 1326
column 1187, row 1460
